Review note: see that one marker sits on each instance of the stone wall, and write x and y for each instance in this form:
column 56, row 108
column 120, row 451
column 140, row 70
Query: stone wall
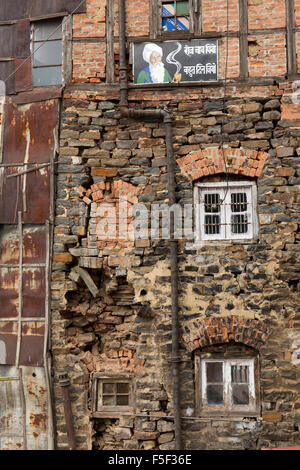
column 111, row 308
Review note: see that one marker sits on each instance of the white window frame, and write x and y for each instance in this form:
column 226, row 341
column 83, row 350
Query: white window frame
column 225, row 190
column 227, row 407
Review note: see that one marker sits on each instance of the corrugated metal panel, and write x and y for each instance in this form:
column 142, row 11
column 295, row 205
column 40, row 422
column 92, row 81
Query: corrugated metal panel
column 17, row 9
column 7, row 40
column 22, row 39
column 13, row 10
column 47, row 7
column 23, row 408
column 23, row 129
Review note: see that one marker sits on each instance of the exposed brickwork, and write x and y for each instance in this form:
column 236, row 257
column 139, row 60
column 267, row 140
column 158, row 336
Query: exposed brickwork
column 267, row 55
column 89, row 62
column 214, row 15
column 218, row 330
column 262, row 14
column 214, row 160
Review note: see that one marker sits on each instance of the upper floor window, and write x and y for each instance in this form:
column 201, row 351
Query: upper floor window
column 175, row 15
column 225, row 211
column 46, row 45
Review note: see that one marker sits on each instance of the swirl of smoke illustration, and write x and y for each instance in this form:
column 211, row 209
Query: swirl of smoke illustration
column 171, row 58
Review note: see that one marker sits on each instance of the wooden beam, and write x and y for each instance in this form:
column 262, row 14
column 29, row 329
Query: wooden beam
column 243, row 19
column 110, row 53
column 291, row 38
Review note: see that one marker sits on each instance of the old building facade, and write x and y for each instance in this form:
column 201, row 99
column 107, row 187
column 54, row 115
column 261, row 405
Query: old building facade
column 171, row 337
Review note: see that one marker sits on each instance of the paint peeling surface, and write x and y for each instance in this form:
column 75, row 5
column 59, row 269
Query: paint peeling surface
column 23, row 408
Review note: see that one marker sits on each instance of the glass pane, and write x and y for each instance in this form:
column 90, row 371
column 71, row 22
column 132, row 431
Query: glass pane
column 168, row 9
column 239, row 374
column 212, row 202
column 214, row 394
column 240, row 394
column 239, row 223
column 212, row 224
column 182, row 23
column 122, row 400
column 49, row 53
column 109, row 400
column 47, row 76
column 168, row 24
column 182, row 8
column 43, row 29
column 108, row 388
column 123, row 388
column 238, row 202
column 214, row 372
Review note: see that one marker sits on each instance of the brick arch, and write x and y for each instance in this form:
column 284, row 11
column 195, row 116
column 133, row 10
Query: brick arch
column 211, row 161
column 219, row 330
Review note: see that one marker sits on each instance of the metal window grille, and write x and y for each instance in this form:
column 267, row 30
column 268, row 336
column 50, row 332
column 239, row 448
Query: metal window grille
column 226, row 212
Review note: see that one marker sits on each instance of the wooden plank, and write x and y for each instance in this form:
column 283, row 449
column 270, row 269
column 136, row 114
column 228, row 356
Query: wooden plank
column 243, row 21
column 291, row 38
column 110, row 55
column 154, row 8
column 67, row 50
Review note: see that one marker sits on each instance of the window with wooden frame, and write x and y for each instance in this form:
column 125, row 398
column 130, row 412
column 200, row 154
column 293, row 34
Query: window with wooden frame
column 225, row 211
column 175, row 17
column 112, row 396
column 227, row 386
column 46, row 47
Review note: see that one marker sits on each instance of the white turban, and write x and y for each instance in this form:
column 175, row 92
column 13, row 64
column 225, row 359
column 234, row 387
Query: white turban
column 148, row 49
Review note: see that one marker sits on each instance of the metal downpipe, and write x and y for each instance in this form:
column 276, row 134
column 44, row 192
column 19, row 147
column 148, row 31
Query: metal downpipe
column 162, row 115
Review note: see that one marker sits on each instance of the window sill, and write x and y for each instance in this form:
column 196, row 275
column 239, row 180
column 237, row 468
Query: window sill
column 201, row 243
column 112, row 414
column 236, row 415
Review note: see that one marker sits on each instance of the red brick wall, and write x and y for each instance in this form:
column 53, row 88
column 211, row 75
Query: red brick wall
column 214, row 15
column 267, row 55
column 89, row 62
column 266, row 14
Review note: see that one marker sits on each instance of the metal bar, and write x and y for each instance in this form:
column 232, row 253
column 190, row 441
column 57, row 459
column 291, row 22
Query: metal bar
column 9, row 378
column 25, row 319
column 64, row 382
column 23, row 401
column 46, row 341
column 20, row 288
column 37, row 265
column 29, row 170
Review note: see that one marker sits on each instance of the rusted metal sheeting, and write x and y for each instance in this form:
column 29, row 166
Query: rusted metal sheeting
column 34, row 244
column 13, row 10
column 32, row 342
column 23, row 408
column 37, row 193
column 46, row 7
column 29, row 132
column 16, row 9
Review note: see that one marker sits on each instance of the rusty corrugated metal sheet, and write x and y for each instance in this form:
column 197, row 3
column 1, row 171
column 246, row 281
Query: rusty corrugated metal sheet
column 23, row 128
column 16, row 9
column 34, row 244
column 6, row 70
column 24, row 408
